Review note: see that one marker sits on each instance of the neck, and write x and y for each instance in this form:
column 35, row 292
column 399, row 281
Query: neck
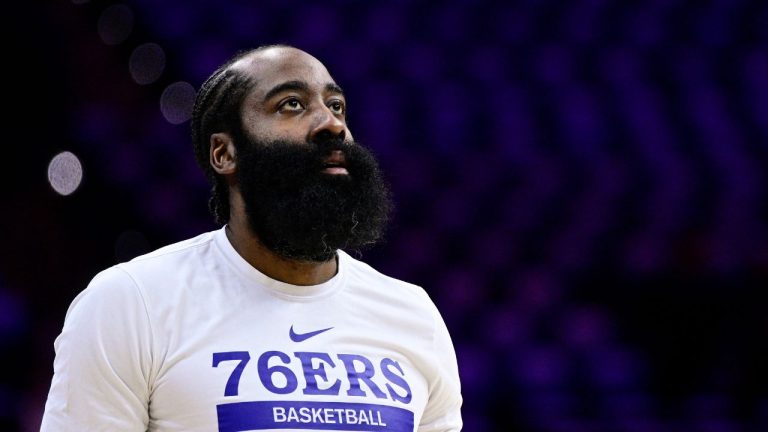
column 248, row 245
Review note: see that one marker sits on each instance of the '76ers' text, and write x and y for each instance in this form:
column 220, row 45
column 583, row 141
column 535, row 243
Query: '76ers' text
column 316, row 373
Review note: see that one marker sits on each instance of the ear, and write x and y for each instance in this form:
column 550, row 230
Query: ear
column 223, row 154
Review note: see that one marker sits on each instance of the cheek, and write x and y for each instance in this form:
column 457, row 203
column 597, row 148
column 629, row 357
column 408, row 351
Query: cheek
column 286, row 134
column 266, row 129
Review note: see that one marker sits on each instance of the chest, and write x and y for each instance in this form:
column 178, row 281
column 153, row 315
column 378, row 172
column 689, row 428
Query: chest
column 295, row 368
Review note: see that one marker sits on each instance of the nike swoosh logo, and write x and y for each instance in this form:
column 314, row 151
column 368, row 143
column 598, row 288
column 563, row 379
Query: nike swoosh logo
column 301, row 337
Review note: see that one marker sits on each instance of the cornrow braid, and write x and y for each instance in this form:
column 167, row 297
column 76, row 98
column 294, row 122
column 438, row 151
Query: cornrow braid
column 217, row 109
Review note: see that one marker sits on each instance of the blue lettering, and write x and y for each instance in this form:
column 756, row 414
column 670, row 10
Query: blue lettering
column 234, row 379
column 310, row 373
column 395, row 379
column 266, row 372
column 356, row 376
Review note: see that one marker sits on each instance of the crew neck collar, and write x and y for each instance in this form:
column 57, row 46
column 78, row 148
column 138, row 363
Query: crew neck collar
column 282, row 289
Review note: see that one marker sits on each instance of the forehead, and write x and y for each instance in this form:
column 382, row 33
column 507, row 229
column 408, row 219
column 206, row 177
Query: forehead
column 273, row 66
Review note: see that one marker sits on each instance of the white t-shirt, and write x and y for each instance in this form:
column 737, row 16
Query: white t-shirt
column 193, row 338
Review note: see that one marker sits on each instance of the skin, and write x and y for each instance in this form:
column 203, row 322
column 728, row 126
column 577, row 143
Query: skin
column 294, row 113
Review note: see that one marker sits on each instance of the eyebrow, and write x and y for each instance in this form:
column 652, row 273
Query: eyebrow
column 334, row 88
column 299, row 86
column 286, row 86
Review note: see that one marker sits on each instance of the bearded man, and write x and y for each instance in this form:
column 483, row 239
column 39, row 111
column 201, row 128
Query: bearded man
column 265, row 324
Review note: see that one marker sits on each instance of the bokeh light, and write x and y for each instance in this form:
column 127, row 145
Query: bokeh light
column 65, row 172
column 177, row 101
column 147, row 63
column 115, row 24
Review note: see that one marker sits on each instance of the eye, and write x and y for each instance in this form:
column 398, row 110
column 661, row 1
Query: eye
column 337, row 107
column 291, row 104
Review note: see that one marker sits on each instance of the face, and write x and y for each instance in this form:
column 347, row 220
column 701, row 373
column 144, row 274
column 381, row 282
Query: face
column 308, row 188
column 294, row 97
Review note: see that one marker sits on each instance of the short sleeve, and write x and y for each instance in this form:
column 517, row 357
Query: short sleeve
column 443, row 411
column 103, row 360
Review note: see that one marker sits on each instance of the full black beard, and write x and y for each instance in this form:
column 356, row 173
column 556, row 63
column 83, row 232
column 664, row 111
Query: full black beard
column 302, row 214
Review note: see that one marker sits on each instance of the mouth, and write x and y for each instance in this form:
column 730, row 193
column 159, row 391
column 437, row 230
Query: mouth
column 335, row 164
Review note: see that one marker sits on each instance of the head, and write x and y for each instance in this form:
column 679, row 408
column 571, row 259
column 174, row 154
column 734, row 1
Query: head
column 269, row 129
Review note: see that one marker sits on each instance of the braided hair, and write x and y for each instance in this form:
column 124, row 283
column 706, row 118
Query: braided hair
column 217, row 109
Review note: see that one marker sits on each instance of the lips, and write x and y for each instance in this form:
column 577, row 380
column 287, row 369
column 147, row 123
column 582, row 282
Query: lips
column 335, row 164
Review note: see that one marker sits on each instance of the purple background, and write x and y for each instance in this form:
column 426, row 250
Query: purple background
column 580, row 186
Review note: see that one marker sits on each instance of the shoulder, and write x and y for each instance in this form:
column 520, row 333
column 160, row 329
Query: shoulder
column 127, row 282
column 175, row 250
column 392, row 300
column 169, row 260
column 369, row 276
column 111, row 297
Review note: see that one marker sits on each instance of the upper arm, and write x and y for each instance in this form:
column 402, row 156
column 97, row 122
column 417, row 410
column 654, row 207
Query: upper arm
column 103, row 360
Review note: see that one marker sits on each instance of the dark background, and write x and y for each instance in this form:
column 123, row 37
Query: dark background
column 580, row 186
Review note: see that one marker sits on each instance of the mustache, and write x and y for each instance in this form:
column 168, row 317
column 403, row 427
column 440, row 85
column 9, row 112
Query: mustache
column 324, row 146
column 322, row 143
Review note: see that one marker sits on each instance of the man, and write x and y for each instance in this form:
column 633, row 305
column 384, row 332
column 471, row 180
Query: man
column 265, row 324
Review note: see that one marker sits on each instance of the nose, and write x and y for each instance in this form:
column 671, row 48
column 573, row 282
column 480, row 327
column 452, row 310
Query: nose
column 327, row 123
